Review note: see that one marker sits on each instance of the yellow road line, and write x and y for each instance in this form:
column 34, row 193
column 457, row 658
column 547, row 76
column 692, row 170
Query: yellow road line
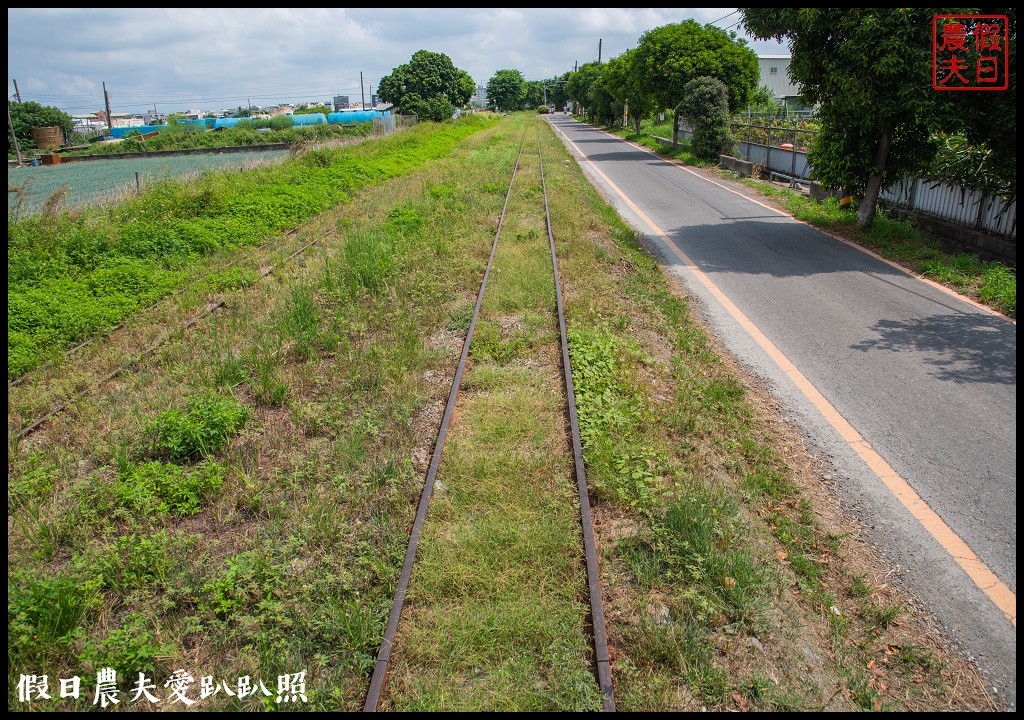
column 986, row 580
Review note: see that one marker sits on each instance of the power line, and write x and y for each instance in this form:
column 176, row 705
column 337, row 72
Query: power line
column 266, row 93
column 723, row 18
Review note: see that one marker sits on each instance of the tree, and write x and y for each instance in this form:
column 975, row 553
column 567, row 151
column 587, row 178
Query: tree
column 436, row 108
column 430, row 81
column 602, row 105
column 624, row 82
column 762, row 102
column 534, row 95
column 706, row 105
column 506, row 89
column 670, row 56
column 313, row 109
column 467, row 89
column 30, row 114
column 578, row 84
column 870, row 72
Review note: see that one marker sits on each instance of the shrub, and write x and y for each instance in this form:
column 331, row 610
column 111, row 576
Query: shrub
column 706, row 106
column 204, row 427
column 155, row 489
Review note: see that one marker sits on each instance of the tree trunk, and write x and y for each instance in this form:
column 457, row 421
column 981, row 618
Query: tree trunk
column 675, row 129
column 638, row 124
column 866, row 212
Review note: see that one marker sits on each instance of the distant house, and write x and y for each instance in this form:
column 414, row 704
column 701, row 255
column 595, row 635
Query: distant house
column 121, row 120
column 775, row 74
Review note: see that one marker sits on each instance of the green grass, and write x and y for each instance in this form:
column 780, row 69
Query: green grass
column 497, row 617
column 105, row 181
column 276, row 547
column 72, row 275
column 206, row 424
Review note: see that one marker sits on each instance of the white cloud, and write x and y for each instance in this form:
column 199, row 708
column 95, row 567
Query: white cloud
column 222, row 57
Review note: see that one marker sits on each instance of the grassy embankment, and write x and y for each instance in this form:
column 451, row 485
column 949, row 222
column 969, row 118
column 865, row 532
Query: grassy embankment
column 187, row 137
column 240, row 504
column 72, row 275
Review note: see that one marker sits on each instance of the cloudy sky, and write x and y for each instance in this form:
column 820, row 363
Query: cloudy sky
column 209, row 59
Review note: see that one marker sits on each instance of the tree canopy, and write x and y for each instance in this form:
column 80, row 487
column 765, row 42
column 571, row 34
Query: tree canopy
column 706, row 105
column 869, row 70
column 624, row 82
column 30, row 114
column 507, row 89
column 670, row 56
column 430, row 82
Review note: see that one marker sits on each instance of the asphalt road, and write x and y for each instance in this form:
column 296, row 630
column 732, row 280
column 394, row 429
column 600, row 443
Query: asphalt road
column 918, row 387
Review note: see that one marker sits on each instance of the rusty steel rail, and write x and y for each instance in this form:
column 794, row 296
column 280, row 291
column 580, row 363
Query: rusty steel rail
column 380, row 669
column 602, row 663
column 601, row 659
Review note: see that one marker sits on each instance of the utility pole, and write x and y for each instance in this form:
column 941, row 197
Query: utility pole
column 10, row 124
column 106, row 100
column 576, row 66
column 362, row 95
column 599, row 51
column 16, row 91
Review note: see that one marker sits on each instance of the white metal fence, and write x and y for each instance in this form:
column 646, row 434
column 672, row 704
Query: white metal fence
column 966, row 206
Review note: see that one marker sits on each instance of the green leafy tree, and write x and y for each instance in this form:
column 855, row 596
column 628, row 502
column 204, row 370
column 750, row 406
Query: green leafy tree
column 579, row 83
column 557, row 96
column 870, row 72
column 588, row 89
column 670, row 56
column 706, row 105
column 312, row 110
column 429, row 81
column 600, row 102
column 436, row 108
column 30, row 114
column 534, row 95
column 762, row 102
column 624, row 81
column 280, row 122
column 468, row 89
column 506, row 89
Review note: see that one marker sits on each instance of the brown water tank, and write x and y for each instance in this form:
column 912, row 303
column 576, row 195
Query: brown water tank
column 48, row 138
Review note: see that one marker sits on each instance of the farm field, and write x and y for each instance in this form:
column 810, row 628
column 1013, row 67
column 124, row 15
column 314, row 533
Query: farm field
column 238, row 503
column 95, row 181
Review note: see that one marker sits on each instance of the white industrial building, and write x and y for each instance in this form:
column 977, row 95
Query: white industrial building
column 775, row 74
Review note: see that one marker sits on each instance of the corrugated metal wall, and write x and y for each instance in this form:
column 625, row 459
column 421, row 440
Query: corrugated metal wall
column 939, row 199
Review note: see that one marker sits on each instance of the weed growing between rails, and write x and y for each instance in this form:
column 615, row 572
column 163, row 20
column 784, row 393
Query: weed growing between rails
column 496, row 616
column 288, row 562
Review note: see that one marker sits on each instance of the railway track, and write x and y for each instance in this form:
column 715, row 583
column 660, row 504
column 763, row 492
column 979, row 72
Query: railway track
column 601, row 664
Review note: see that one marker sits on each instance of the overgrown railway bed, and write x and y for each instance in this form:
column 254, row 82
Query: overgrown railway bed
column 238, row 504
column 600, row 659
